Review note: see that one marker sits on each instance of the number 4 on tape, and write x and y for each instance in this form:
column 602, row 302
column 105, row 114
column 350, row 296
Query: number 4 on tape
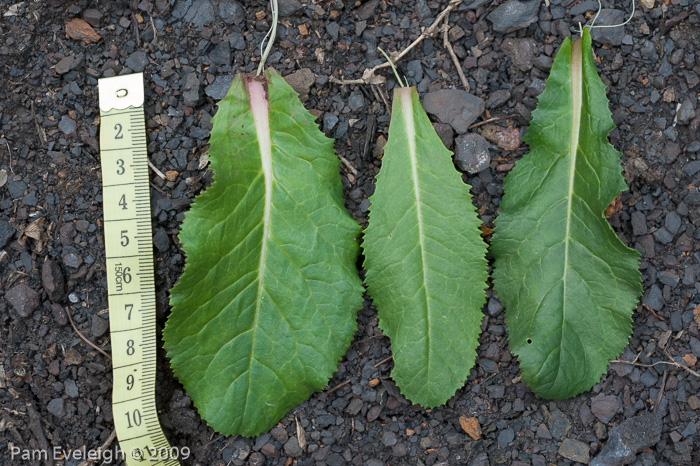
column 129, row 253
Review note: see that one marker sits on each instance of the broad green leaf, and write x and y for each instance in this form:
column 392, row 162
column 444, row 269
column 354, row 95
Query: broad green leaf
column 267, row 304
column 569, row 285
column 424, row 257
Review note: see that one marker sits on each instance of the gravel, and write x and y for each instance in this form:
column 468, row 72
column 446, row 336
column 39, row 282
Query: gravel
column 454, row 107
column 23, row 299
column 189, row 51
column 472, row 153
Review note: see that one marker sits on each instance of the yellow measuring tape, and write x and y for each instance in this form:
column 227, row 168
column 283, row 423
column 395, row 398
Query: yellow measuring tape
column 129, row 253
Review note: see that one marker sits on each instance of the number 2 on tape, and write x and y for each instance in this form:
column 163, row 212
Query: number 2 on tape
column 129, row 254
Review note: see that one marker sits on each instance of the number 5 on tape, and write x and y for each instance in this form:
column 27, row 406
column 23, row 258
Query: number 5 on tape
column 129, row 253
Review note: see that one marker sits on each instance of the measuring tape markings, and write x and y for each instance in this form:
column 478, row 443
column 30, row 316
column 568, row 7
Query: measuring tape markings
column 129, row 261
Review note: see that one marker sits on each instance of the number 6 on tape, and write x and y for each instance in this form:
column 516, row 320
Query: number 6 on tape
column 129, row 253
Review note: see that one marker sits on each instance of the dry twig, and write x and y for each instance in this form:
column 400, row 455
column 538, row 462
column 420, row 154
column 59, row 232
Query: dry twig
column 670, row 362
column 383, row 361
column 342, row 384
column 70, row 318
column 102, row 448
column 455, row 60
column 156, row 171
column 368, row 76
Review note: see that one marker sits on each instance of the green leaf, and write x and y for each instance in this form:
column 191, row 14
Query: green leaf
column 424, row 257
column 569, row 285
column 267, row 304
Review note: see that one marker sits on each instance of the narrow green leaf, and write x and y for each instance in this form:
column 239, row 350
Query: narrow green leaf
column 424, row 257
column 569, row 285
column 267, row 304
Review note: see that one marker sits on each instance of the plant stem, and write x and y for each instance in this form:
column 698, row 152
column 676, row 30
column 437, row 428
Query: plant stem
column 272, row 34
column 393, row 68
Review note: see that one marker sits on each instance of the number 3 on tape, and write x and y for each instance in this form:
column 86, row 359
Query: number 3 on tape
column 129, row 253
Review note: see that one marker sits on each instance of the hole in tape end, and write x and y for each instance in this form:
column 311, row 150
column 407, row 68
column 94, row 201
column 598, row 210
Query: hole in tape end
column 122, row 93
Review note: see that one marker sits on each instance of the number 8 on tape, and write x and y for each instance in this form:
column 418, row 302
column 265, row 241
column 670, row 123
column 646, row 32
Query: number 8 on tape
column 129, row 254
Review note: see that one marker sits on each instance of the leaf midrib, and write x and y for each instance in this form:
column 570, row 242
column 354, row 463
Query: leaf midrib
column 405, row 94
column 576, row 105
column 260, row 111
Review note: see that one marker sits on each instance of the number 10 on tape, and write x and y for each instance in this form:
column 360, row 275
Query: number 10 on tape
column 129, row 254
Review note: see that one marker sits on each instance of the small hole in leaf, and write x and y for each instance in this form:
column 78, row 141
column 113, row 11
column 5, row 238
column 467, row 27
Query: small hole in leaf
column 529, row 341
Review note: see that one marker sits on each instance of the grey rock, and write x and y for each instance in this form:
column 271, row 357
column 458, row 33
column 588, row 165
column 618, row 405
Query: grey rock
column 241, row 449
column 663, row 235
column 583, row 7
column 520, row 51
column 71, row 388
column 414, row 70
column 218, row 89
column 98, row 326
column 693, row 197
column 609, row 36
column 400, row 450
column 685, row 113
column 445, row 133
column 559, row 424
column 543, row 432
column 673, row 222
column 454, row 107
column 16, row 188
column 137, row 61
column 59, row 314
column 67, row 125
column 92, row 16
column 292, row 448
column 639, row 223
column 329, row 121
column 356, row 101
column 669, row 278
column 161, row 240
column 200, row 13
column 6, row 232
column 498, row 98
column 364, row 207
column 506, row 437
column 389, row 439
column 53, row 281
column 543, row 62
column 63, row 66
column 366, row 9
column 482, row 459
column 257, row 459
column 325, row 420
column 494, row 307
column 654, row 298
column 473, row 4
column 56, row 408
column 691, row 168
column 23, row 299
column 472, row 153
column 333, row 29
column 30, row 199
column 231, row 12
column 221, row 55
column 289, row 7
column 514, row 14
column 604, row 407
column 301, row 81
column 334, row 459
column 354, row 407
column 72, row 259
column 575, row 450
column 631, row 436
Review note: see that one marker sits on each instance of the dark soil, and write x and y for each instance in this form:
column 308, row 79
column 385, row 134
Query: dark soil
column 55, row 390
